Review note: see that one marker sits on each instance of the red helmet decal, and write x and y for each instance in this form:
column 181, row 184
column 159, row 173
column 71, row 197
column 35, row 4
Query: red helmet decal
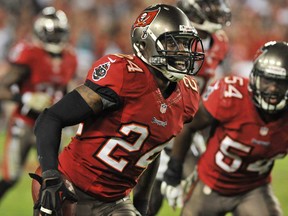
column 145, row 18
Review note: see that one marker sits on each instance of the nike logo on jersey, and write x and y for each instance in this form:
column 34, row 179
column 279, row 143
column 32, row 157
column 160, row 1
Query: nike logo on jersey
column 112, row 60
column 159, row 122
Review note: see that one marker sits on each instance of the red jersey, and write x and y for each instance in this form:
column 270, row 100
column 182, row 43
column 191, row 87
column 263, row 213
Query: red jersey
column 46, row 74
column 111, row 151
column 214, row 55
column 241, row 152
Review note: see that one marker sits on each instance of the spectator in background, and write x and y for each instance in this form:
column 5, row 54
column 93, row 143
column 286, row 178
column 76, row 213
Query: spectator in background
column 6, row 34
column 6, row 39
column 254, row 23
column 40, row 70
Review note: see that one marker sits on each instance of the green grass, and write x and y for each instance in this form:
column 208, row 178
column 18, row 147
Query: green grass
column 18, row 201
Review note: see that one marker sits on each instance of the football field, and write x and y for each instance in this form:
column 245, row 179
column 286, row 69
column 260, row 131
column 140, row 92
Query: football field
column 18, row 201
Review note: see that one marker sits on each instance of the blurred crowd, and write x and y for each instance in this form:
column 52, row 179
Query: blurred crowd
column 254, row 22
column 97, row 26
column 100, row 26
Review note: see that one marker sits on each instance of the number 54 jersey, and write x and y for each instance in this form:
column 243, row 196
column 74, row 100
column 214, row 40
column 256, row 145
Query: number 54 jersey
column 241, row 152
column 111, row 150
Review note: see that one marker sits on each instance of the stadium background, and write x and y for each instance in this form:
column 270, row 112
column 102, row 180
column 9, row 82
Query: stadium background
column 103, row 26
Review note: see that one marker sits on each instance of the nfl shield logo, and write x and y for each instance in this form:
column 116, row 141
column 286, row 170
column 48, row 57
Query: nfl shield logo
column 264, row 131
column 163, row 108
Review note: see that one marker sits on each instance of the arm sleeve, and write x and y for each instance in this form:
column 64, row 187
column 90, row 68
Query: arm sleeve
column 110, row 99
column 71, row 110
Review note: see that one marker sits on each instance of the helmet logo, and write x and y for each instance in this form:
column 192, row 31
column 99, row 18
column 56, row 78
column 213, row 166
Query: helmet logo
column 145, row 19
column 100, row 71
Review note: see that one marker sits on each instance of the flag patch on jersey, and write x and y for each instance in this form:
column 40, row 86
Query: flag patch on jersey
column 100, row 71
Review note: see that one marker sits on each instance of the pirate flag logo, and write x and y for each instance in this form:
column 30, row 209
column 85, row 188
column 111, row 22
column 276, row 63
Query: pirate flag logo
column 145, row 19
column 100, row 71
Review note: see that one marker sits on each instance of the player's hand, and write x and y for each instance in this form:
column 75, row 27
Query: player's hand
column 174, row 195
column 53, row 193
column 37, row 101
column 171, row 186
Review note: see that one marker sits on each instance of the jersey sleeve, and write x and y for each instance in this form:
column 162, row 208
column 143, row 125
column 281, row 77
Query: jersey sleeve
column 107, row 72
column 19, row 54
column 221, row 45
column 222, row 98
column 214, row 56
column 191, row 98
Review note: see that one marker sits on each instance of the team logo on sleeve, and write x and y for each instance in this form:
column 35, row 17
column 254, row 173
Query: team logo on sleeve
column 100, row 71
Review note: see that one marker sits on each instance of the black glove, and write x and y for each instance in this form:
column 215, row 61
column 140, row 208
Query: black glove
column 173, row 174
column 53, row 193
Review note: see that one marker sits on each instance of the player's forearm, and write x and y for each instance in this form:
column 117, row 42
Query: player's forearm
column 182, row 143
column 70, row 110
column 145, row 183
column 142, row 191
column 48, row 136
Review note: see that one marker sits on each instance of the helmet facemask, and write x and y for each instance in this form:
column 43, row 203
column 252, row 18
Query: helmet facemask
column 270, row 101
column 177, row 53
column 164, row 38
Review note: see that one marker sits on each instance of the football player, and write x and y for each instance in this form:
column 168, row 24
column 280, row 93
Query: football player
column 249, row 123
column 129, row 108
column 208, row 17
column 40, row 69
